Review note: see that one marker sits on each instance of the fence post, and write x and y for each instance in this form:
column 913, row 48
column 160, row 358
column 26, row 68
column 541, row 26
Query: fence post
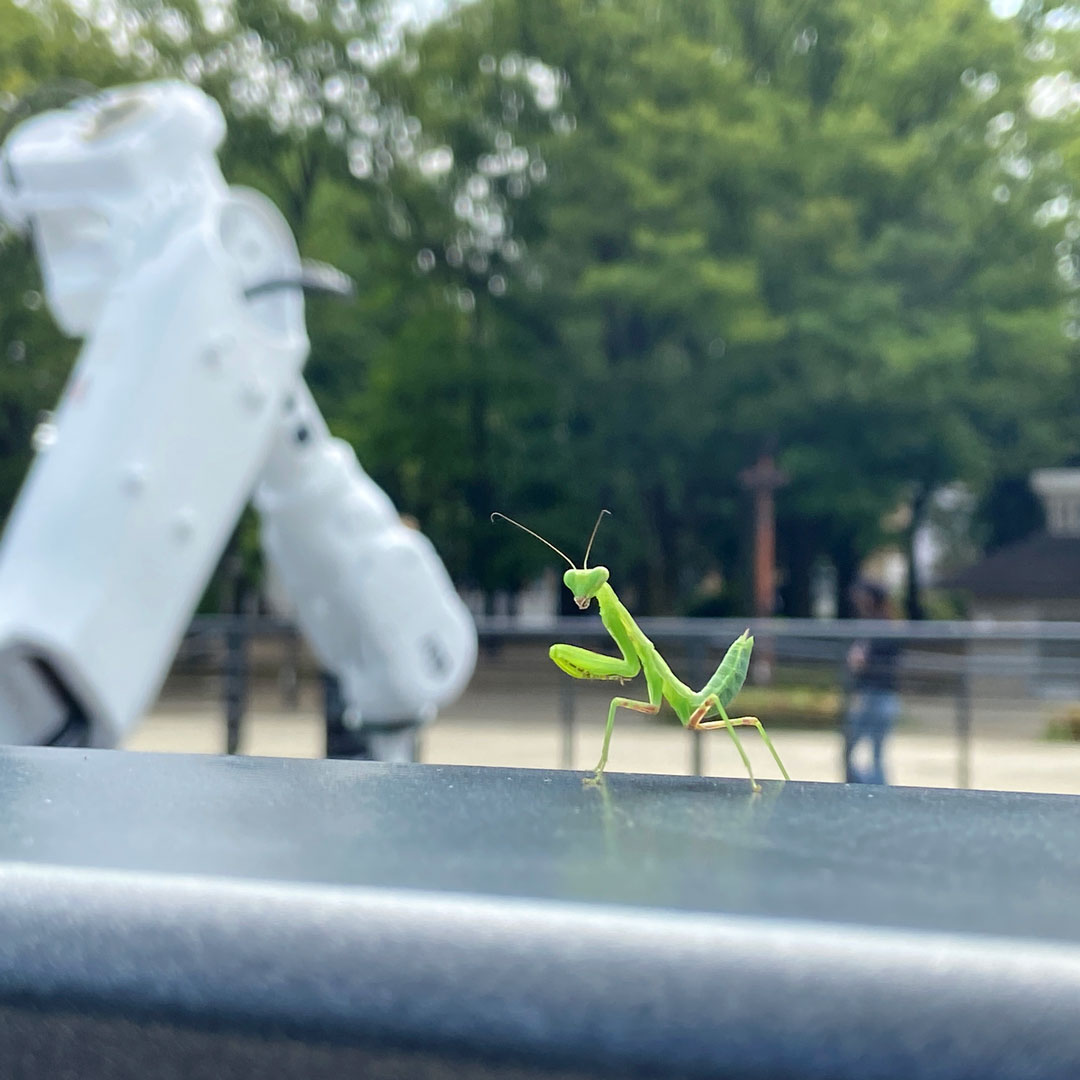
column 236, row 679
column 963, row 723
column 845, row 682
column 567, row 704
column 289, row 672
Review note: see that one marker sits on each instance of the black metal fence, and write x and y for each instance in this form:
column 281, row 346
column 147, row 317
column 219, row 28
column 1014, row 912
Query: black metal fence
column 962, row 672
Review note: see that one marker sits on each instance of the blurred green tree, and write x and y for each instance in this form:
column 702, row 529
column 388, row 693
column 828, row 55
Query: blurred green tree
column 606, row 251
column 817, row 224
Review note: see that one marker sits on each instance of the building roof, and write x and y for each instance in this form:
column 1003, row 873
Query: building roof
column 1038, row 568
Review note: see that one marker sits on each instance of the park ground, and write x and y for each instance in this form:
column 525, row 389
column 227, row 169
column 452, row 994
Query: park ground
column 512, row 716
column 915, row 758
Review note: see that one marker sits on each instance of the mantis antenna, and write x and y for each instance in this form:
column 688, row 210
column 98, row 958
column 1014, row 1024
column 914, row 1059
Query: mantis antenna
column 585, row 564
column 537, row 535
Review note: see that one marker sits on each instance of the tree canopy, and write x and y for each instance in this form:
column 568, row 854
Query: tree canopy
column 609, row 250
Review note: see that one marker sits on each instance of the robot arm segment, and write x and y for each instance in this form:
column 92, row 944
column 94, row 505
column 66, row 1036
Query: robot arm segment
column 168, row 414
column 370, row 594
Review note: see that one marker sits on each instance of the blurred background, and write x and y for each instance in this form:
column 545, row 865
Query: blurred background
column 790, row 286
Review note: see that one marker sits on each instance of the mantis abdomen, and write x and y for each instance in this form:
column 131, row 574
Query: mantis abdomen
column 731, row 674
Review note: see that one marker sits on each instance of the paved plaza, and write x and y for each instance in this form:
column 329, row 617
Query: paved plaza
column 917, row 758
column 511, row 716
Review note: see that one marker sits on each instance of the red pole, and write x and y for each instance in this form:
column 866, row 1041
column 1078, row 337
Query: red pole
column 762, row 480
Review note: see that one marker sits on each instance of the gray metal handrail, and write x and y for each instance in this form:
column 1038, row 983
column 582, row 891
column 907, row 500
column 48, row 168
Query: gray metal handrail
column 725, row 629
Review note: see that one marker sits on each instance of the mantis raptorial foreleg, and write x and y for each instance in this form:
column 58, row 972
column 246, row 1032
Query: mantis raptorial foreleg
column 585, row 664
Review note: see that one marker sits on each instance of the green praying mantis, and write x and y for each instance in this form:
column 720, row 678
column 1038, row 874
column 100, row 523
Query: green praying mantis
column 639, row 653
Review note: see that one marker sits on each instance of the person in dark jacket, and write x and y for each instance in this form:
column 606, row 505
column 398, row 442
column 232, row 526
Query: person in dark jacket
column 875, row 703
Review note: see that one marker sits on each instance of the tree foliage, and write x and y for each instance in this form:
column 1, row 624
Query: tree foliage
column 608, row 251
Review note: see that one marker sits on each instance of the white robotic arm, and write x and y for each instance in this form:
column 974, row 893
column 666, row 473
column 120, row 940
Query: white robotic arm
column 370, row 594
column 183, row 397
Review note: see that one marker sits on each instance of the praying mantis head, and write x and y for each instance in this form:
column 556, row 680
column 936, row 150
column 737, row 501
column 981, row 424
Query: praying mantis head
column 584, row 583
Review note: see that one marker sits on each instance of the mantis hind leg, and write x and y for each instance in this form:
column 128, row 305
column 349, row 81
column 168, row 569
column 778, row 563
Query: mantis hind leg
column 696, row 723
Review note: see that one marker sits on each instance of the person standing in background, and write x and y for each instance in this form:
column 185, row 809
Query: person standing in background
column 875, row 703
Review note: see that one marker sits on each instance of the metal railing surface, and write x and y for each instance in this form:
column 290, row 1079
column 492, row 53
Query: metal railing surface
column 819, row 629
column 166, row 917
